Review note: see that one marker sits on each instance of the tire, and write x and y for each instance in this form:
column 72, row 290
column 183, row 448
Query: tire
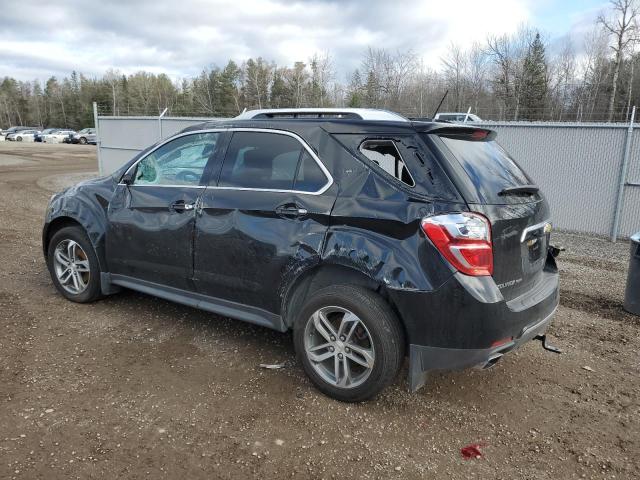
column 82, row 141
column 18, row 139
column 378, row 334
column 86, row 266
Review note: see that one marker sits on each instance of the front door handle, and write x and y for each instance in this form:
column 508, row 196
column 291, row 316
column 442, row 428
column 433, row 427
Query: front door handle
column 181, row 206
column 291, row 210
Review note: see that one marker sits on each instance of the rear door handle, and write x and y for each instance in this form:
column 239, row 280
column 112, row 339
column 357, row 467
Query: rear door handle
column 181, row 206
column 291, row 210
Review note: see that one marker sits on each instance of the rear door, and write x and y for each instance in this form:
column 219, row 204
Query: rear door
column 266, row 216
column 495, row 186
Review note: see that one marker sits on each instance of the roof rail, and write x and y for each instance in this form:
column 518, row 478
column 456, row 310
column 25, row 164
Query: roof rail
column 332, row 113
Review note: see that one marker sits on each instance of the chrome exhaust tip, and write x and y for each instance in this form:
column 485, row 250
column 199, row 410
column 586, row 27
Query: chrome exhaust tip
column 492, row 361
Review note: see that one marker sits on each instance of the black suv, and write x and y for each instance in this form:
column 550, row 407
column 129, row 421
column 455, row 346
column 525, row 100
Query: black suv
column 372, row 237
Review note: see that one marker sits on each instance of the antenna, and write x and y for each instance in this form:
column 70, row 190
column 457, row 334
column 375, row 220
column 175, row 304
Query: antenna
column 466, row 117
column 440, row 104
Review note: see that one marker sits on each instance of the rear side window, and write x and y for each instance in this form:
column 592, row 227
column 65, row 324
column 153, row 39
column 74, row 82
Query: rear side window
column 270, row 161
column 385, row 154
column 489, row 167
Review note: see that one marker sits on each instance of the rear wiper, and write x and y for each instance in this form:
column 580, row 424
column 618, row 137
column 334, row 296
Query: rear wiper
column 531, row 189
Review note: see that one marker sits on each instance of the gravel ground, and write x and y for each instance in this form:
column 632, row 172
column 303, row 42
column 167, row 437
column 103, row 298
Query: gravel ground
column 136, row 387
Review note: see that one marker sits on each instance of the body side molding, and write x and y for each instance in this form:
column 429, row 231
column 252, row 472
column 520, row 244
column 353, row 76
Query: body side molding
column 226, row 308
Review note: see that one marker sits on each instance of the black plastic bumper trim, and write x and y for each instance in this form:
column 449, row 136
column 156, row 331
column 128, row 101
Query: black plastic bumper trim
column 424, row 359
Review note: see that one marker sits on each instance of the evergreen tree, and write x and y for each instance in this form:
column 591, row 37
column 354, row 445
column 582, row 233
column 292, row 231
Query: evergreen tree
column 280, row 92
column 534, row 82
column 355, row 90
column 229, row 79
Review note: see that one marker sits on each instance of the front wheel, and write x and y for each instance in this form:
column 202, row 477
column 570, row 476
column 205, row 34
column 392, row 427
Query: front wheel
column 349, row 341
column 73, row 265
column 19, row 139
column 83, row 141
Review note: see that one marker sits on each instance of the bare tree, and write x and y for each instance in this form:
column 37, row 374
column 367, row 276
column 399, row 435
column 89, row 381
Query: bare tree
column 500, row 50
column 623, row 27
column 594, row 69
column 322, row 74
column 477, row 65
column 455, row 64
column 562, row 76
column 112, row 77
column 386, row 76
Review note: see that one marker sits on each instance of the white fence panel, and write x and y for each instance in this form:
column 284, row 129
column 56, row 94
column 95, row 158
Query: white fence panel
column 121, row 138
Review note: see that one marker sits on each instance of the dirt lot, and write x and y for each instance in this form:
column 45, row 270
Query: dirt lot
column 136, row 387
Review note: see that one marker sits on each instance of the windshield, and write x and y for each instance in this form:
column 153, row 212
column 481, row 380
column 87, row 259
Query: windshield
column 490, row 168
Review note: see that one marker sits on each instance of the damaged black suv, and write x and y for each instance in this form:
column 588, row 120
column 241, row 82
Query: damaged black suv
column 370, row 236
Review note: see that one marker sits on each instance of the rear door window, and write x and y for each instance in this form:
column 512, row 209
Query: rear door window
column 310, row 177
column 270, row 161
column 489, row 167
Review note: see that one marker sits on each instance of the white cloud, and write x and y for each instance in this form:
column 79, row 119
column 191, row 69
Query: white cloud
column 182, row 37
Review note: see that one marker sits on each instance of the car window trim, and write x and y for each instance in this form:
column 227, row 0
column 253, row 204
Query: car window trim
column 304, row 144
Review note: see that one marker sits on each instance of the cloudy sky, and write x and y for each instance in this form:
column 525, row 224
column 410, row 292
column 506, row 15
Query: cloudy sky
column 43, row 38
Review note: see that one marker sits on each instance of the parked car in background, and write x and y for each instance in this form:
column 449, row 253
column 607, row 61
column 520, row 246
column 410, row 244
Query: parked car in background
column 372, row 237
column 456, row 117
column 58, row 136
column 11, row 130
column 46, row 131
column 23, row 135
column 84, row 136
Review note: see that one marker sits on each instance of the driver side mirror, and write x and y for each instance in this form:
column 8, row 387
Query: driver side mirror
column 127, row 178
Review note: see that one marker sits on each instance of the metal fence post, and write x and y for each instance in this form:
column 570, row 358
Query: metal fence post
column 98, row 143
column 160, row 122
column 623, row 178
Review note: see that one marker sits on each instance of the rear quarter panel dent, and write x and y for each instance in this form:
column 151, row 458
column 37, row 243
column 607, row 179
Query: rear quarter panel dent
column 388, row 261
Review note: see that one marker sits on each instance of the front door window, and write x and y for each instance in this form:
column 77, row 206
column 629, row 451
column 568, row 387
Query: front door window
column 179, row 162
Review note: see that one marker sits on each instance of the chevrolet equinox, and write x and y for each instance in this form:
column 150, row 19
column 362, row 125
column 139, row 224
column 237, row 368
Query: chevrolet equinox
column 372, row 237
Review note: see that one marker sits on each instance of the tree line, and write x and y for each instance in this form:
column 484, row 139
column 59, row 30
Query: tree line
column 508, row 77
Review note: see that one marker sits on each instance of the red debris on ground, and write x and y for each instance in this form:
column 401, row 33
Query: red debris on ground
column 471, row 451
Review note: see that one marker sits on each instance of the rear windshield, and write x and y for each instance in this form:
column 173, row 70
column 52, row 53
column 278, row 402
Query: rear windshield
column 490, row 168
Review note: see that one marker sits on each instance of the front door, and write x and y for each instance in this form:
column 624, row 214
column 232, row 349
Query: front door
column 266, row 216
column 151, row 220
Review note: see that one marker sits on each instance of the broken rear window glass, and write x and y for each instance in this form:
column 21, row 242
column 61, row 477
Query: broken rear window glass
column 385, row 154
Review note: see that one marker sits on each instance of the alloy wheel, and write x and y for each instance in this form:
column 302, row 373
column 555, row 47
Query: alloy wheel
column 71, row 266
column 339, row 347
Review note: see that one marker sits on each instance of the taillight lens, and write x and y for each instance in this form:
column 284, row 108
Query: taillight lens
column 464, row 239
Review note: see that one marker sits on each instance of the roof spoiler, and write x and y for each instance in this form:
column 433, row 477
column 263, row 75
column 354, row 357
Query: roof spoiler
column 460, row 132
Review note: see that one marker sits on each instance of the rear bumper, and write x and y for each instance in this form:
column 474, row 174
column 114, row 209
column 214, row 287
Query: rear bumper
column 467, row 322
column 423, row 359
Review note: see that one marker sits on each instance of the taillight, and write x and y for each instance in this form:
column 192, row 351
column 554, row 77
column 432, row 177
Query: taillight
column 464, row 239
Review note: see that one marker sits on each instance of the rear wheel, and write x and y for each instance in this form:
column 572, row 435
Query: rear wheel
column 73, row 265
column 349, row 342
